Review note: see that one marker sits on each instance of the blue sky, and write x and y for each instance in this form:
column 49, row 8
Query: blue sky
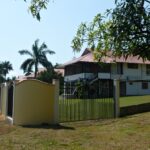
column 18, row 29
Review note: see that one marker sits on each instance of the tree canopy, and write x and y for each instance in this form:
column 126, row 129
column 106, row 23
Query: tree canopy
column 96, row 35
column 37, row 56
column 124, row 30
column 48, row 76
column 5, row 67
column 36, row 6
column 131, row 27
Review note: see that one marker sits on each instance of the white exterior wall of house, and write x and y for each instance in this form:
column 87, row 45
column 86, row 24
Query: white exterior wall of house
column 128, row 73
column 132, row 88
column 131, row 76
column 135, row 88
column 144, row 91
column 144, row 75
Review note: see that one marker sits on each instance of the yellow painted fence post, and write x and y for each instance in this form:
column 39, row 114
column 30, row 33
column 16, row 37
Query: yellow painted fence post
column 56, row 101
column 116, row 98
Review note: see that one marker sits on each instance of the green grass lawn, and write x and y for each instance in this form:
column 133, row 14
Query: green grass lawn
column 134, row 100
column 130, row 133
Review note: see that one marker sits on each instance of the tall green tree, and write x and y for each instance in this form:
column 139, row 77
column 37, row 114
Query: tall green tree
column 131, row 27
column 5, row 67
column 123, row 30
column 37, row 57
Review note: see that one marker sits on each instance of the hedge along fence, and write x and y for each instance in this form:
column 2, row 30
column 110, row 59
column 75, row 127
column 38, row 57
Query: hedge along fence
column 134, row 109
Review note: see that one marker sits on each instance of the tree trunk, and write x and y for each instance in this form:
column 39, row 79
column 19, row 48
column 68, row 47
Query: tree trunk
column 36, row 70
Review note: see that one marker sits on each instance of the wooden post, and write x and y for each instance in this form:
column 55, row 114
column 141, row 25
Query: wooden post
column 4, row 99
column 116, row 98
column 56, row 101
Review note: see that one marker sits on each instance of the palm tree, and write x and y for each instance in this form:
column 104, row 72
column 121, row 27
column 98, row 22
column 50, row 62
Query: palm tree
column 37, row 56
column 5, row 67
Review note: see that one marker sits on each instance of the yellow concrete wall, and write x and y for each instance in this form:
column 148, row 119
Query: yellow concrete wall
column 33, row 103
column 4, row 91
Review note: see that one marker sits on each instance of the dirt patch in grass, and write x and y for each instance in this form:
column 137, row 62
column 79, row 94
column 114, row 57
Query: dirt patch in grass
column 1, row 117
column 4, row 127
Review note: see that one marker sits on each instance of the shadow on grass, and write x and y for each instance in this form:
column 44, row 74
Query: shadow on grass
column 47, row 126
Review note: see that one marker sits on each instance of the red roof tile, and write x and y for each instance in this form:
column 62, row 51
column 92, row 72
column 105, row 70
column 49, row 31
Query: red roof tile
column 89, row 57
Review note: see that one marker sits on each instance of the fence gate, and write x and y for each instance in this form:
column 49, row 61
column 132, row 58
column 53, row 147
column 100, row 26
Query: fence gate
column 86, row 102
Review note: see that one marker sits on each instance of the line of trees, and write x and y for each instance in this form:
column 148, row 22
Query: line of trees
column 125, row 30
column 37, row 56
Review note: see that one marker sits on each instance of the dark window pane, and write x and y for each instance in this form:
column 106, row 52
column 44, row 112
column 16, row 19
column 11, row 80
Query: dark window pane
column 144, row 85
column 148, row 69
column 133, row 66
column 119, row 68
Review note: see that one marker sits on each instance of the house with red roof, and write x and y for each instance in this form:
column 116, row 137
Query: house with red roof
column 133, row 72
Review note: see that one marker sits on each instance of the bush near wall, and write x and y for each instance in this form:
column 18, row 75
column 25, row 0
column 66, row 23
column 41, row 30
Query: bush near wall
column 130, row 110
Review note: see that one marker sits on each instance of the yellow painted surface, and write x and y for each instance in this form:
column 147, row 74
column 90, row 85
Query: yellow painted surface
column 3, row 99
column 33, row 103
